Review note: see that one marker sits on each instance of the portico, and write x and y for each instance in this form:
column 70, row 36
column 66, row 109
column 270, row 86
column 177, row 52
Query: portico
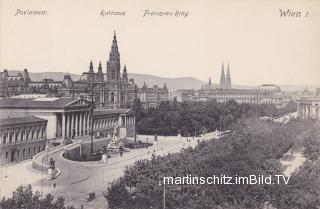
column 308, row 107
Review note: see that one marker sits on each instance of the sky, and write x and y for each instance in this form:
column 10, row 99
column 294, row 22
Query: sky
column 260, row 46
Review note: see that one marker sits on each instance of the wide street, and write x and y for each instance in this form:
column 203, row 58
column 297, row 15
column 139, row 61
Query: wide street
column 77, row 179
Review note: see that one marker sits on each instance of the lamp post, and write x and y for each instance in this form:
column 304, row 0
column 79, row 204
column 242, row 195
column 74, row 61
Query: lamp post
column 92, row 104
column 6, row 176
column 164, row 192
column 135, row 113
column 41, row 176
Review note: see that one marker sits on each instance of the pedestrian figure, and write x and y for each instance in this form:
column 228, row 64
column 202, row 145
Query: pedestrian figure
column 154, row 151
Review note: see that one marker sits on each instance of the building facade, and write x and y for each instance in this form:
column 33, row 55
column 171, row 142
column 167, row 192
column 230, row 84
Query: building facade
column 21, row 138
column 309, row 107
column 68, row 118
column 151, row 97
column 112, row 89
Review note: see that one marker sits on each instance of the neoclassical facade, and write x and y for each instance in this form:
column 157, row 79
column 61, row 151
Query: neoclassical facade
column 69, row 117
column 21, row 138
column 309, row 107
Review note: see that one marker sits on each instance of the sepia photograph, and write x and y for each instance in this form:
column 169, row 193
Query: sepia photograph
column 150, row 104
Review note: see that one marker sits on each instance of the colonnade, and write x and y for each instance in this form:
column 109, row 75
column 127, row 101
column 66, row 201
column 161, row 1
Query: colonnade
column 309, row 110
column 75, row 124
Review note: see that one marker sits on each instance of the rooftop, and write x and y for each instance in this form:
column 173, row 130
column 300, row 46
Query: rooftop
column 30, row 103
column 111, row 111
column 22, row 120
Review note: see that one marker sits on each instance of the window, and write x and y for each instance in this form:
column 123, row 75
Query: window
column 39, row 148
column 29, row 151
column 7, row 155
column 18, row 152
column 23, row 152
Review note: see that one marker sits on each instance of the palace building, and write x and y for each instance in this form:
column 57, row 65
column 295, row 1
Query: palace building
column 69, row 118
column 151, row 97
column 21, row 138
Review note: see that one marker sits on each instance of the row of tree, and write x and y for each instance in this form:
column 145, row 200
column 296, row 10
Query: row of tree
column 24, row 197
column 254, row 148
column 194, row 118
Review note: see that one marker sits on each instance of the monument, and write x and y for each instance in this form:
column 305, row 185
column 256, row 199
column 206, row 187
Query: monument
column 52, row 171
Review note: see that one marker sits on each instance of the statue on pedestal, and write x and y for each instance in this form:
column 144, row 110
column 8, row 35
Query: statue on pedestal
column 52, row 171
column 52, row 162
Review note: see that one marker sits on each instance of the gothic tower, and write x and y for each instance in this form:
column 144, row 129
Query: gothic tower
column 222, row 79
column 228, row 79
column 113, row 64
column 91, row 72
column 124, row 74
column 100, row 76
column 209, row 82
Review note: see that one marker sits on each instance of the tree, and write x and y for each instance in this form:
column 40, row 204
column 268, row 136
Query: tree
column 25, row 198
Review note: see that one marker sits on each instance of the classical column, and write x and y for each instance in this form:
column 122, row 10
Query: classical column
column 14, row 136
column 81, row 124
column 72, row 125
column 63, row 126
column 86, row 123
column 76, row 123
column 68, row 125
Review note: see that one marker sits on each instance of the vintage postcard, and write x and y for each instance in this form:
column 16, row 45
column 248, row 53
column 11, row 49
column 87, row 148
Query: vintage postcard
column 140, row 104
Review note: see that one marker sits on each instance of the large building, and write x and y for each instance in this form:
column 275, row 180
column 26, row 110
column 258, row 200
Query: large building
column 69, row 117
column 264, row 94
column 309, row 106
column 21, row 138
column 13, row 84
column 151, row 97
column 112, row 89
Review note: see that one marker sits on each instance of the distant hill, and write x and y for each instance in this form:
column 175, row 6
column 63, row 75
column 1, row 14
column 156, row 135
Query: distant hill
column 150, row 80
column 172, row 83
column 298, row 87
column 57, row 76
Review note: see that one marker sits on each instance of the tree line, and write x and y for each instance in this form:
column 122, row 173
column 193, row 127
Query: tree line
column 254, row 148
column 194, row 118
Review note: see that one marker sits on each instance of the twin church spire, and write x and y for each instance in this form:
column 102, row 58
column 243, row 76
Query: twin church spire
column 225, row 80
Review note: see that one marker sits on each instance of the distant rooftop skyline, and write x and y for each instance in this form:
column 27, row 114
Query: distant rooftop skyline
column 260, row 46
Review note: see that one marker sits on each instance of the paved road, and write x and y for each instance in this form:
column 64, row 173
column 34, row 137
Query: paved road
column 77, row 179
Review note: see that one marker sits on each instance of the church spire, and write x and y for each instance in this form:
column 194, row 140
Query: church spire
column 91, row 67
column 209, row 82
column 228, row 79
column 100, row 68
column 125, row 74
column 223, row 78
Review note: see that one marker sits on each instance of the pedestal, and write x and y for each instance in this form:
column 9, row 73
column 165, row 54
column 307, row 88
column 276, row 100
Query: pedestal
column 52, row 173
column 104, row 158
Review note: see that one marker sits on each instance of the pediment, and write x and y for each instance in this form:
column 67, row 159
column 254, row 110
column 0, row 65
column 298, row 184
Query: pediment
column 80, row 103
